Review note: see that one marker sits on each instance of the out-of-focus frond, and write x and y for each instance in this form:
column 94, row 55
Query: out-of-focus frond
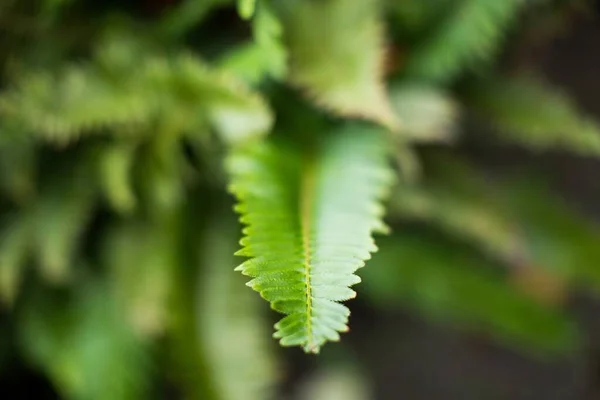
column 471, row 34
column 337, row 56
column 449, row 283
column 138, row 90
column 85, row 346
column 535, row 115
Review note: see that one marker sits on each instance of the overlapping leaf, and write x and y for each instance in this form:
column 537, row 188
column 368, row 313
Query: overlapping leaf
column 337, row 56
column 310, row 214
column 533, row 114
column 471, row 34
column 448, row 282
column 231, row 329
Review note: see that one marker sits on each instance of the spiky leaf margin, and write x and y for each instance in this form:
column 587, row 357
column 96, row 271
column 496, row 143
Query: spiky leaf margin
column 310, row 215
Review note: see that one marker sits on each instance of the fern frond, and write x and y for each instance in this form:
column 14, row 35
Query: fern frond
column 60, row 216
column 85, row 346
column 310, row 215
column 266, row 55
column 447, row 282
column 561, row 240
column 528, row 112
column 337, row 56
column 471, row 34
column 462, row 204
column 120, row 92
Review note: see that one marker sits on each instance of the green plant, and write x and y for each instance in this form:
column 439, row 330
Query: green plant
column 120, row 136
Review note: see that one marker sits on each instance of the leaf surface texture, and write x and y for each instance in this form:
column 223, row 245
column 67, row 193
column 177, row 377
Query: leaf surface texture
column 310, row 214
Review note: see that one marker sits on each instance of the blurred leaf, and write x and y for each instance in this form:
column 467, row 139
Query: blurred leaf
column 460, row 202
column 85, row 346
column 447, row 282
column 186, row 15
column 428, row 114
column 115, row 169
column 471, row 35
column 141, row 258
column 560, row 239
column 532, row 114
column 232, row 328
column 17, row 170
column 125, row 91
column 415, row 17
column 246, row 8
column 335, row 383
column 15, row 247
column 61, row 215
column 266, row 55
column 337, row 56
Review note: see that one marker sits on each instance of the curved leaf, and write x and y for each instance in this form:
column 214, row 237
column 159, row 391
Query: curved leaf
column 310, row 214
column 448, row 282
column 471, row 34
column 337, row 55
column 528, row 112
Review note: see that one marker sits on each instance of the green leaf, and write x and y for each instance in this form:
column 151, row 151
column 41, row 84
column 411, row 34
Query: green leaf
column 336, row 50
column 15, row 245
column 471, row 35
column 60, row 217
column 85, row 346
column 447, row 282
column 463, row 205
column 310, row 215
column 231, row 324
column 18, row 162
column 528, row 112
column 338, row 382
column 186, row 15
column 428, row 114
column 265, row 55
column 560, row 239
column 246, row 8
column 115, row 165
column 126, row 88
column 141, row 259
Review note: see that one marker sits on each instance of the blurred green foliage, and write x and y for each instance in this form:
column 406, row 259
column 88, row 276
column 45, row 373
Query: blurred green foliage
column 117, row 235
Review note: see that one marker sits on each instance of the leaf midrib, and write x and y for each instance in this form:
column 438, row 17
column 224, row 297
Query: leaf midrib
column 306, row 209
